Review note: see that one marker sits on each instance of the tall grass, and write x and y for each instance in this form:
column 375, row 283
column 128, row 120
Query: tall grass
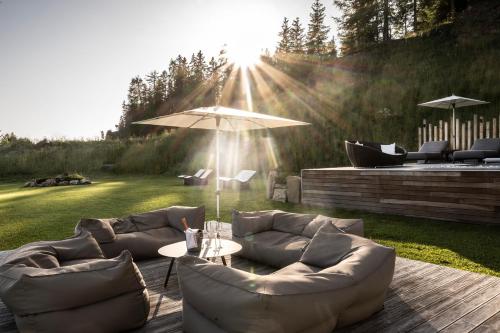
column 156, row 155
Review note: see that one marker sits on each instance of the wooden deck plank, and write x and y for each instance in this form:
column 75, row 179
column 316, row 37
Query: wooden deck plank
column 477, row 317
column 460, row 308
column 490, row 325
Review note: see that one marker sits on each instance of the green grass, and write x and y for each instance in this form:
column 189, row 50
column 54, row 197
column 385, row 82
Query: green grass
column 30, row 214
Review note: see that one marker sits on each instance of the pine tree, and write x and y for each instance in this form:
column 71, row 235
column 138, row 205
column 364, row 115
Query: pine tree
column 359, row 23
column 198, row 68
column 297, row 37
column 332, row 48
column 386, row 15
column 317, row 34
column 402, row 19
column 284, row 34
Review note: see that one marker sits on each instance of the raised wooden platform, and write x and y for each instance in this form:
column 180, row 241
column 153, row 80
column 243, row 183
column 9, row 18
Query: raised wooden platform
column 454, row 193
column 422, row 298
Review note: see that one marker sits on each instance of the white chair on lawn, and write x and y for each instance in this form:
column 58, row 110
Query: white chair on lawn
column 197, row 174
column 242, row 178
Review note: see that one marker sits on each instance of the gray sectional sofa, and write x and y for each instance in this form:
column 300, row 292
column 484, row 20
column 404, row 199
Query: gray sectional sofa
column 277, row 238
column 142, row 234
column 337, row 278
column 68, row 285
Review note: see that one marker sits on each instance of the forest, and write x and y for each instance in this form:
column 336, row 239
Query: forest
column 390, row 55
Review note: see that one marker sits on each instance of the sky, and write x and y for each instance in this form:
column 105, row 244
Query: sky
column 65, row 65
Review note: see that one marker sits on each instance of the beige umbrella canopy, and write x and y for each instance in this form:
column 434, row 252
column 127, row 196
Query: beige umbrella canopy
column 452, row 102
column 221, row 118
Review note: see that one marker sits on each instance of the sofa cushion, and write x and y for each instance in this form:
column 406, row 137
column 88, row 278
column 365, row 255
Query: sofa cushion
column 143, row 244
column 297, row 268
column 291, row 222
column 350, row 226
column 328, row 246
column 195, row 217
column 123, row 225
column 274, row 248
column 48, row 254
column 315, row 224
column 474, row 154
column 249, row 223
column 414, row 156
column 487, row 144
column 150, row 220
column 99, row 228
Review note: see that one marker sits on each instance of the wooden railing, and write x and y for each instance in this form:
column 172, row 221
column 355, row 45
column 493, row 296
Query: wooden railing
column 467, row 131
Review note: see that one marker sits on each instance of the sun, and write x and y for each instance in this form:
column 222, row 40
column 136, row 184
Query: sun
column 244, row 55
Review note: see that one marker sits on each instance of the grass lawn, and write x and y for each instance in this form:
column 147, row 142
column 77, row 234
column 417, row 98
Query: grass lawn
column 30, row 214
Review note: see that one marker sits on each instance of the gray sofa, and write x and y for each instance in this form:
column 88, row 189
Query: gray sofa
column 338, row 280
column 68, row 286
column 142, row 234
column 277, row 238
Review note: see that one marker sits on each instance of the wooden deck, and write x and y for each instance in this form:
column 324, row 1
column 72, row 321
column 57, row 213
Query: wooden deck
column 422, row 298
column 462, row 194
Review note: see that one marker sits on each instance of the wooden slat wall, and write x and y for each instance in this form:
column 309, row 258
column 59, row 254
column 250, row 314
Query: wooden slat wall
column 463, row 196
column 467, row 132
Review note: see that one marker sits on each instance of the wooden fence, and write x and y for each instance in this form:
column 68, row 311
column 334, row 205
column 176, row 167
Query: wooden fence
column 467, row 131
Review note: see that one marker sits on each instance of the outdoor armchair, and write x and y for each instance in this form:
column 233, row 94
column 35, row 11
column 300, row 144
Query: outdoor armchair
column 339, row 280
column 68, row 286
column 142, row 234
column 481, row 149
column 430, row 151
column 364, row 154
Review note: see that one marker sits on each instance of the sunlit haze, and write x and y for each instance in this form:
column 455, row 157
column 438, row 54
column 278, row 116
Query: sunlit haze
column 66, row 65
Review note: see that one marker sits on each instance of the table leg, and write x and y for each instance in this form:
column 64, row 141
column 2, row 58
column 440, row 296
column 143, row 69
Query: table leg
column 168, row 273
column 223, row 261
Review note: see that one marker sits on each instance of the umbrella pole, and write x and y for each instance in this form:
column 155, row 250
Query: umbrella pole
column 217, row 187
column 454, row 144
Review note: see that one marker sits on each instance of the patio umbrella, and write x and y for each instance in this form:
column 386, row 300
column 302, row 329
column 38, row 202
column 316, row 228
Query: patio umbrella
column 221, row 118
column 452, row 102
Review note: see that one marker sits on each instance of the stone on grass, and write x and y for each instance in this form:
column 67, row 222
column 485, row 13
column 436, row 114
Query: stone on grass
column 73, row 182
column 279, row 194
column 293, row 189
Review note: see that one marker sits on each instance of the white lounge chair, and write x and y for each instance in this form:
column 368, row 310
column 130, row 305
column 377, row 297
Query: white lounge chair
column 197, row 174
column 242, row 178
column 198, row 180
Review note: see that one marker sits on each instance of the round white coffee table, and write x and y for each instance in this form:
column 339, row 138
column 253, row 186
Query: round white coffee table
column 211, row 248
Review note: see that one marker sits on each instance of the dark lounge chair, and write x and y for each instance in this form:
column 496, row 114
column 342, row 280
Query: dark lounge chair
column 198, row 180
column 481, row 149
column 430, row 151
column 363, row 154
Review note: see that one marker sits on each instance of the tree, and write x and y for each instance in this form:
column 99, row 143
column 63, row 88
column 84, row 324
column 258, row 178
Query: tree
column 401, row 19
column 332, row 48
column 284, row 45
column 359, row 23
column 297, row 37
column 386, row 28
column 317, row 34
column 198, row 68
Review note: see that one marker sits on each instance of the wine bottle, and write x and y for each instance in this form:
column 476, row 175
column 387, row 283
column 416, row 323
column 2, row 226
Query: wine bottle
column 184, row 223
